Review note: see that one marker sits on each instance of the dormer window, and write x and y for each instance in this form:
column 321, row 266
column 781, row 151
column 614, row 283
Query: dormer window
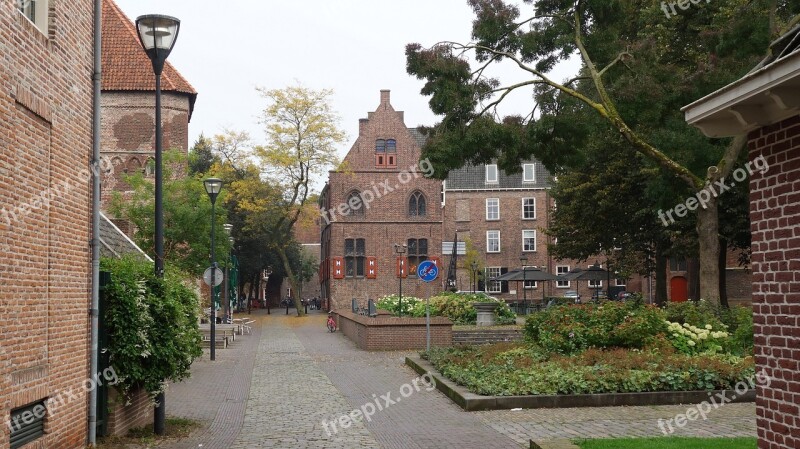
column 491, row 174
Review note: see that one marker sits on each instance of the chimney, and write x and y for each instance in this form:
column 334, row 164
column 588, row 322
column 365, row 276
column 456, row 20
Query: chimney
column 385, row 97
column 362, row 125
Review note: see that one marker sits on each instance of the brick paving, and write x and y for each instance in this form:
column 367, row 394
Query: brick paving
column 274, row 388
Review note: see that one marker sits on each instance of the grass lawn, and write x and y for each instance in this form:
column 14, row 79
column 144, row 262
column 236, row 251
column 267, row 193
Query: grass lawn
column 669, row 443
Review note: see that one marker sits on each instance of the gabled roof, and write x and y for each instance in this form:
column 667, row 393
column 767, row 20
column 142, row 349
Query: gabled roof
column 115, row 243
column 473, row 177
column 126, row 66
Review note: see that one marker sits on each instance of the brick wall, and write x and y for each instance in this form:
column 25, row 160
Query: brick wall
column 774, row 218
column 123, row 416
column 386, row 333
column 45, row 147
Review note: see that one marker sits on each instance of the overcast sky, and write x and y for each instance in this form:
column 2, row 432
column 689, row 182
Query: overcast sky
column 355, row 47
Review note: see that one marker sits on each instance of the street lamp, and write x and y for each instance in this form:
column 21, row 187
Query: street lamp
column 474, row 269
column 400, row 250
column 157, row 34
column 523, row 260
column 267, row 273
column 226, row 309
column 213, row 187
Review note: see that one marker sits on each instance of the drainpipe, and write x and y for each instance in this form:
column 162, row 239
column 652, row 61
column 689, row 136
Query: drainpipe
column 94, row 312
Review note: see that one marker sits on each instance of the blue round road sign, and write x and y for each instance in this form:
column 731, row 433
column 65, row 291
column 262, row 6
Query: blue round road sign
column 427, row 271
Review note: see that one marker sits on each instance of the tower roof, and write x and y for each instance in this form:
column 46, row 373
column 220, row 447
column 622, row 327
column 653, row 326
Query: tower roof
column 126, row 66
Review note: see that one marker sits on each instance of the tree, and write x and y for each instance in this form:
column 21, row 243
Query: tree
column 201, row 156
column 302, row 133
column 637, row 70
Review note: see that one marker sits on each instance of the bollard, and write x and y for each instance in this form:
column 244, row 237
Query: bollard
column 305, row 308
column 287, row 308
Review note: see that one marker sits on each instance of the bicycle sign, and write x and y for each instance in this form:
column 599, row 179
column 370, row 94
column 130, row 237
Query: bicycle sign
column 427, row 271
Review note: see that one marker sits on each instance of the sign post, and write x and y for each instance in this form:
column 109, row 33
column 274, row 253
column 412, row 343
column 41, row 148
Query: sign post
column 427, row 271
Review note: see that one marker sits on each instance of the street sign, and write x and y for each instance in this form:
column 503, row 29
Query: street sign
column 427, row 271
column 218, row 275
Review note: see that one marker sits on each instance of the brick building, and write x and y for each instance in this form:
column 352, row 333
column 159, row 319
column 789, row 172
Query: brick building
column 127, row 104
column 45, row 150
column 764, row 106
column 380, row 198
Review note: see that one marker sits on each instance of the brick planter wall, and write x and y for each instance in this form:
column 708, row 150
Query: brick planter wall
column 774, row 216
column 387, row 333
column 123, row 417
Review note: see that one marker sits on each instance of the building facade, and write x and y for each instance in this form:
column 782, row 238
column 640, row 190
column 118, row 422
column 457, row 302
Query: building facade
column 45, row 151
column 380, row 198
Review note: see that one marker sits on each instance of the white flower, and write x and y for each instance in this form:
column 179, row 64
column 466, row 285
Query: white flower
column 708, row 326
column 691, row 343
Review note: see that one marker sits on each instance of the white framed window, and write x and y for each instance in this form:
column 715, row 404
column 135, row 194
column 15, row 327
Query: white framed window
column 528, row 173
column 619, row 282
column 36, row 11
column 562, row 269
column 492, row 241
column 595, row 284
column 528, row 285
column 528, row 240
column 529, row 208
column 492, row 209
column 493, row 286
column 491, row 174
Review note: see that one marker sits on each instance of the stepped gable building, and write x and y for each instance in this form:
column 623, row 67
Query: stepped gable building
column 379, row 198
column 128, row 103
column 45, row 151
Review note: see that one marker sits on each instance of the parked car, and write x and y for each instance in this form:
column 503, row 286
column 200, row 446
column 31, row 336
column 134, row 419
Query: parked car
column 572, row 294
column 599, row 295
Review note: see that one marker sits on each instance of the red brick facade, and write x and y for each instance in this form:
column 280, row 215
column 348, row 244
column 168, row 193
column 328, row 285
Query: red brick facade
column 45, row 148
column 774, row 218
column 385, row 333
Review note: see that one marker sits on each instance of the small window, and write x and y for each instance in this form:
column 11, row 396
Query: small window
column 677, row 264
column 354, row 251
column 528, row 173
column 597, row 283
column 528, row 240
column 380, row 146
column 528, row 285
column 560, row 270
column 492, row 241
column 529, row 208
column 391, row 146
column 621, row 282
column 417, row 253
column 355, row 204
column 391, row 160
column 416, row 205
column 491, row 174
column 27, row 423
column 492, row 208
column 36, row 11
column 493, row 286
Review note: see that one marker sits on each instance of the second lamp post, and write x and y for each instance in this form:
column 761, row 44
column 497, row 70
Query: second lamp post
column 213, row 187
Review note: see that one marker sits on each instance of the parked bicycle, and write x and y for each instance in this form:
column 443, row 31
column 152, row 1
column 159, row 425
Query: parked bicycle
column 331, row 323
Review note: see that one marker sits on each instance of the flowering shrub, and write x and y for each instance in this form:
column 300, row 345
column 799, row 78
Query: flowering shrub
column 573, row 328
column 391, row 303
column 690, row 339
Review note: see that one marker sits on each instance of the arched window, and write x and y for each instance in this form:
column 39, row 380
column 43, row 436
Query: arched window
column 416, row 205
column 380, row 146
column 391, row 146
column 355, row 204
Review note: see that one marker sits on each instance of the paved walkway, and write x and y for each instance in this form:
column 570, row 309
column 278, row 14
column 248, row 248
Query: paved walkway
column 291, row 384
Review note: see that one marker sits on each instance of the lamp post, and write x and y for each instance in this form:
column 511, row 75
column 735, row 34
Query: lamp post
column 267, row 273
column 226, row 309
column 213, row 187
column 523, row 260
column 400, row 250
column 474, row 269
column 157, row 34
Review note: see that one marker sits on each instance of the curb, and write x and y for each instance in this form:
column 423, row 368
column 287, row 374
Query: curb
column 474, row 402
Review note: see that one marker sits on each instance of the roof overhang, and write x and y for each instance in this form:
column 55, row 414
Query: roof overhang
column 761, row 98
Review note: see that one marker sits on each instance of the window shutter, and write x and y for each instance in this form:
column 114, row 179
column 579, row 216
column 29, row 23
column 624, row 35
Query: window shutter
column 503, row 284
column 437, row 261
column 372, row 267
column 337, row 270
column 402, row 267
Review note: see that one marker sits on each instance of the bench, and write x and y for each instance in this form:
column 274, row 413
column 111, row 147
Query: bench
column 219, row 342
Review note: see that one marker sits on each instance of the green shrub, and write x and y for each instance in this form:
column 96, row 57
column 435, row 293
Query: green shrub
column 740, row 326
column 455, row 306
column 737, row 321
column 570, row 329
column 151, row 323
column 392, row 304
column 690, row 339
column 697, row 313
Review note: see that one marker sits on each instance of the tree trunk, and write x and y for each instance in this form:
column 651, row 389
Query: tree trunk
column 293, row 281
column 661, row 278
column 708, row 238
column 693, row 278
column 723, row 274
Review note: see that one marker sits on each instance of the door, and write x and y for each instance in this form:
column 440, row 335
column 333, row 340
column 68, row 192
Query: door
column 678, row 289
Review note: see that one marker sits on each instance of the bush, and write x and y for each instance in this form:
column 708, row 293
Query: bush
column 690, row 339
column 391, row 303
column 740, row 326
column 697, row 313
column 737, row 321
column 571, row 329
column 151, row 323
column 455, row 306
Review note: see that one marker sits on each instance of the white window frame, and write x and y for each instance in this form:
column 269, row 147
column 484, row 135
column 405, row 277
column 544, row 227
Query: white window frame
column 617, row 282
column 528, row 284
column 523, row 209
column 41, row 13
column 591, row 283
column 493, row 286
column 492, row 168
column 488, row 200
column 488, row 233
column 534, row 241
column 533, row 173
column 561, row 284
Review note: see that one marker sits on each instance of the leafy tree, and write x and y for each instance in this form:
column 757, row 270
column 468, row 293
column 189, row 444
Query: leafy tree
column 302, row 133
column 201, row 156
column 638, row 68
column 187, row 217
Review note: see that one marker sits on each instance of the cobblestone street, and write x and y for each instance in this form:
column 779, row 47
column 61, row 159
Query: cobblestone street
column 289, row 383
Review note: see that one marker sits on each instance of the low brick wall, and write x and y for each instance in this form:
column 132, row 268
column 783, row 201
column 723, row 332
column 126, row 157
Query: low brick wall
column 122, row 417
column 387, row 333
